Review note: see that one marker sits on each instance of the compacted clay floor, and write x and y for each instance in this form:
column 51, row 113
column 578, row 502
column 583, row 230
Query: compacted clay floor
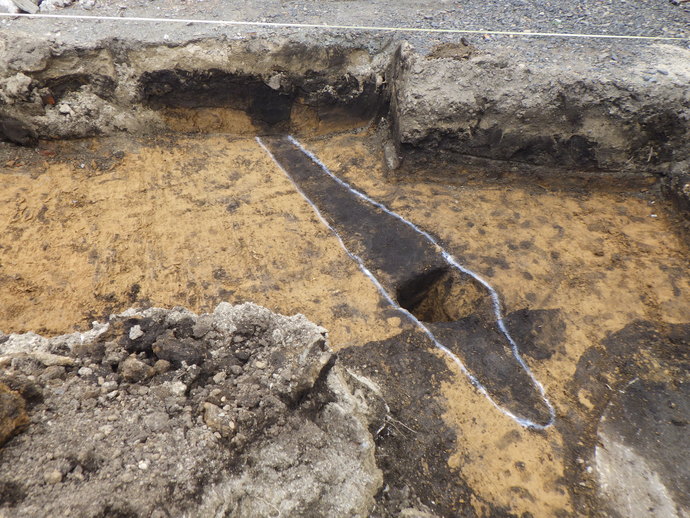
column 94, row 227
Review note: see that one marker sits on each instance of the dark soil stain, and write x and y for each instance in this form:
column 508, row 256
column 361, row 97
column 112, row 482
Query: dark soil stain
column 484, row 350
column 456, row 308
column 414, row 446
column 638, row 353
column 539, row 332
column 653, row 418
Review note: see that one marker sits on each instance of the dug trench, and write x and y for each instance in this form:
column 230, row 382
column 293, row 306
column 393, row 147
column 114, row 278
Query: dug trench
column 593, row 281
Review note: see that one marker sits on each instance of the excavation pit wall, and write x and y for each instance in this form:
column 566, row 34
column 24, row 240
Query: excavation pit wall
column 484, row 109
column 612, row 254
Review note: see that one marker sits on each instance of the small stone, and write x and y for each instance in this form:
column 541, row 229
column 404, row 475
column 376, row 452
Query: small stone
column 52, row 372
column 275, row 81
column 202, row 327
column 90, row 393
column 143, row 465
column 161, row 366
column 177, row 388
column 217, row 420
column 236, row 370
column 260, row 365
column 243, row 355
column 108, row 386
column 135, row 370
column 219, row 377
column 157, row 422
column 135, row 332
column 53, row 476
column 169, row 348
column 77, row 473
column 85, row 371
column 65, row 109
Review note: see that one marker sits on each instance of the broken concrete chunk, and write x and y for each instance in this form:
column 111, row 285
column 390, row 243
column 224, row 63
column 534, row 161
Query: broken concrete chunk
column 27, row 6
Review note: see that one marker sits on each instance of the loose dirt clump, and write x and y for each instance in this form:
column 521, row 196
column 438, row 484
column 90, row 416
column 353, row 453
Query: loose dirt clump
column 240, row 412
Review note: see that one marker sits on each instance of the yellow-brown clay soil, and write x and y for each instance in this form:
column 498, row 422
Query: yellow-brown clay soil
column 603, row 259
column 192, row 221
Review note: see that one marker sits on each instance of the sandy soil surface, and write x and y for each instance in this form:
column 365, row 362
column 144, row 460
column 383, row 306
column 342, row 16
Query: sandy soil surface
column 600, row 260
column 241, row 233
column 94, row 227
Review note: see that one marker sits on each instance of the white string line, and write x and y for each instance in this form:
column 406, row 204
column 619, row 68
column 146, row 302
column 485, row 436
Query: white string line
column 475, row 382
column 345, row 27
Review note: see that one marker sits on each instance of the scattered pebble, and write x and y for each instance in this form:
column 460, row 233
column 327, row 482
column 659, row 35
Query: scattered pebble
column 85, row 371
column 53, row 476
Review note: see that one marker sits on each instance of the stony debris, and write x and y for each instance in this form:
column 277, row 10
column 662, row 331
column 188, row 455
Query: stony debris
column 13, row 416
column 15, row 88
column 8, row 6
column 52, row 5
column 27, row 6
column 241, row 412
column 23, row 52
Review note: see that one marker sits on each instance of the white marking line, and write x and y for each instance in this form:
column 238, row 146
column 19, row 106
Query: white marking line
column 520, row 420
column 344, row 27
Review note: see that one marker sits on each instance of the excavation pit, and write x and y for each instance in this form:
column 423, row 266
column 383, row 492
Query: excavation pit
column 445, row 295
column 188, row 209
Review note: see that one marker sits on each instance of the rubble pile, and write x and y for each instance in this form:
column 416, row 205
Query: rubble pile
column 240, row 412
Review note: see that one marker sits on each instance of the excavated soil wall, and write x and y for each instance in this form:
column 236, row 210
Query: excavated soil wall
column 483, row 109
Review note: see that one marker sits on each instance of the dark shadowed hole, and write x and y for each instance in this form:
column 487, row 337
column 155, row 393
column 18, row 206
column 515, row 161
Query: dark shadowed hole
column 443, row 295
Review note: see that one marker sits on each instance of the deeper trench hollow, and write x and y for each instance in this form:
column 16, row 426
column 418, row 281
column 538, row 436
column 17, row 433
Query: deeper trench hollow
column 443, row 295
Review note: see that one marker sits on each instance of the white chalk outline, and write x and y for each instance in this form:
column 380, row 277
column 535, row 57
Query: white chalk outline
column 241, row 23
column 449, row 258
